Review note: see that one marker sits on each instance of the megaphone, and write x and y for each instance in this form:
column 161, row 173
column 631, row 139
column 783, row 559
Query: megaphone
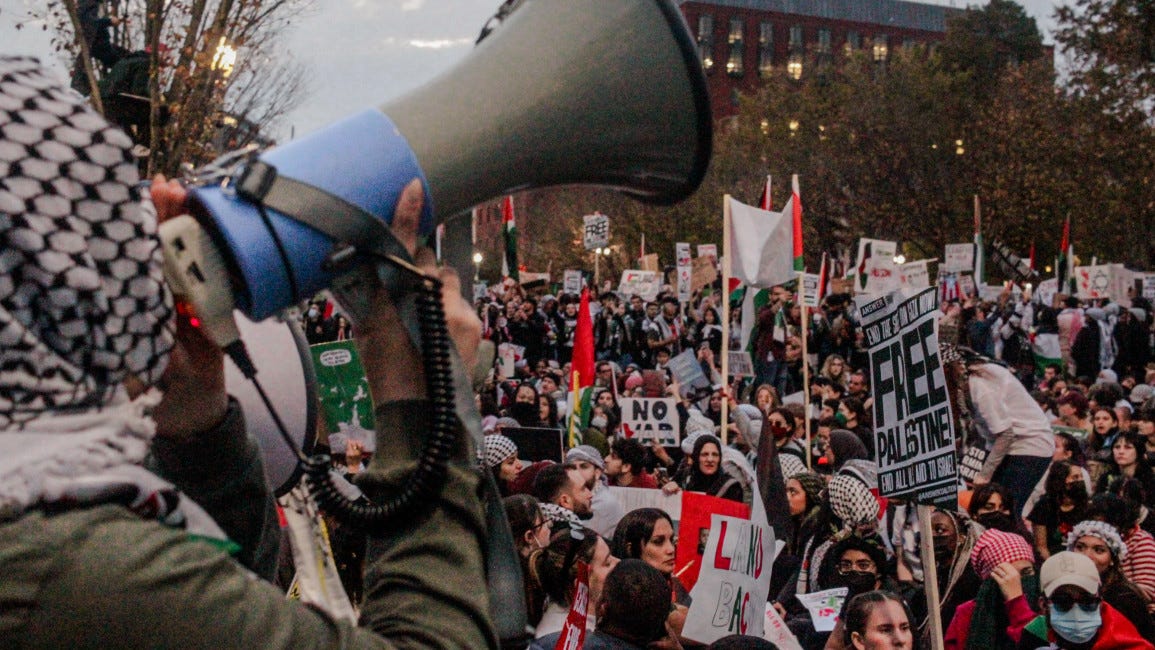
column 604, row 93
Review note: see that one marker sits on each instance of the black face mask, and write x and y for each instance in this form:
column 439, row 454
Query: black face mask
column 942, row 546
column 525, row 414
column 997, row 520
column 856, row 582
column 1077, row 491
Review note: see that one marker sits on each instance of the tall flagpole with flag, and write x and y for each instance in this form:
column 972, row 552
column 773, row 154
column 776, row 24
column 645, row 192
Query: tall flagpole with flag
column 800, row 269
column 1064, row 271
column 765, row 200
column 509, row 233
column 979, row 279
column 727, row 260
column 582, row 377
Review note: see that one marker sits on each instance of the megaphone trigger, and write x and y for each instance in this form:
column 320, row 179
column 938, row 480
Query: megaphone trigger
column 196, row 273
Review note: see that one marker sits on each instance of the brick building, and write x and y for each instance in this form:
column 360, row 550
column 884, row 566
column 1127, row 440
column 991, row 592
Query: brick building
column 741, row 41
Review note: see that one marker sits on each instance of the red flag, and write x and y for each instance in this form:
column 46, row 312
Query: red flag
column 1031, row 264
column 583, row 343
column 573, row 632
column 796, row 201
column 764, row 202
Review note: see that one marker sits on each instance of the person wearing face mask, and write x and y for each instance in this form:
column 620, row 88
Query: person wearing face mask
column 525, row 407
column 994, row 620
column 955, row 536
column 531, row 531
column 1075, row 617
column 1063, row 504
column 991, row 506
column 1101, row 542
column 782, row 424
column 857, row 563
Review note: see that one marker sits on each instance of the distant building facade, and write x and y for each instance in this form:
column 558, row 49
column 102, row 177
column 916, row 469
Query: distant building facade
column 743, row 41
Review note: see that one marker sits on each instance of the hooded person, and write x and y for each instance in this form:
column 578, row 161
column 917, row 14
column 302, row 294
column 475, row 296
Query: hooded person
column 1075, row 616
column 844, row 446
column 995, row 619
column 851, row 509
column 954, row 537
column 109, row 487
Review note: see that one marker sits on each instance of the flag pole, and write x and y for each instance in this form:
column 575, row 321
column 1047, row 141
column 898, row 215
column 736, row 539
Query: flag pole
column 726, row 317
column 575, row 384
column 805, row 366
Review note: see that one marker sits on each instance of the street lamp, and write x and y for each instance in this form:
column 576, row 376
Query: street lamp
column 477, row 266
column 225, row 58
column 900, row 259
column 598, row 252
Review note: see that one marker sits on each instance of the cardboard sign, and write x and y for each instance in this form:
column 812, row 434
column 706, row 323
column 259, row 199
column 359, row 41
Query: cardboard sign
column 913, row 427
column 824, row 607
column 708, row 250
column 879, row 276
column 651, row 418
column 810, row 297
column 958, row 257
column 1093, row 282
column 597, row 231
column 688, row 372
column 914, row 275
column 703, row 273
column 344, row 391
column 649, row 263
column 740, row 364
column 775, row 631
column 694, row 531
column 508, row 355
column 633, row 498
column 730, row 595
column 537, row 443
column 573, row 281
column 646, row 284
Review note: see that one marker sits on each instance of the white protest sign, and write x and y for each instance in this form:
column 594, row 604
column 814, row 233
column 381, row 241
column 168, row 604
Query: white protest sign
column 685, row 270
column 573, row 281
column 914, row 275
column 824, row 607
column 775, row 631
column 959, row 257
column 913, row 428
column 810, row 296
column 740, row 364
column 1149, row 286
column 880, row 275
column 708, row 250
column 682, row 253
column 730, row 594
column 649, row 418
column 966, row 285
column 633, row 498
column 597, row 230
column 871, row 248
column 507, row 356
column 479, row 290
column 991, row 292
column 646, row 284
column 1045, row 292
column 1093, row 282
column 1122, row 279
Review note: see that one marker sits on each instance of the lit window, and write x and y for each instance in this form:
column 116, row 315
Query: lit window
column 734, row 61
column 765, row 48
column 881, row 50
column 853, row 42
column 706, row 41
column 794, row 66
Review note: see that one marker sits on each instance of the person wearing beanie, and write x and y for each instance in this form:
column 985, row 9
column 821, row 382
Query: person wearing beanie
column 607, row 510
column 1003, row 606
column 1101, row 542
column 1075, row 616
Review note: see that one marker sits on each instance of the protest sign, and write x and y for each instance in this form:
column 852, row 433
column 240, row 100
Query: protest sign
column 824, row 607
column 879, row 276
column 740, row 364
column 480, row 290
column 966, row 285
column 1093, row 282
column 874, row 248
column 959, row 257
column 529, row 280
column 651, row 418
column 536, row 443
column 775, row 631
column 810, row 297
column 703, row 272
column 708, row 250
column 730, row 595
column 913, row 427
column 649, row 263
column 597, row 230
column 914, row 275
column 343, row 391
column 1045, row 292
column 991, row 292
column 646, row 284
column 694, row 531
column 688, row 372
column 682, row 253
column 508, row 355
column 633, row 498
column 573, row 631
column 573, row 281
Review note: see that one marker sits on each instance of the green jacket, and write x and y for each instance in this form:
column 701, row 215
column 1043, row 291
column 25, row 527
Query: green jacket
column 104, row 578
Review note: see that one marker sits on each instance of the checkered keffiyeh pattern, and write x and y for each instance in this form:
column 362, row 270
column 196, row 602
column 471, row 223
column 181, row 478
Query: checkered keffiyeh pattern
column 852, row 501
column 995, row 547
column 497, row 449
column 1101, row 530
column 82, row 297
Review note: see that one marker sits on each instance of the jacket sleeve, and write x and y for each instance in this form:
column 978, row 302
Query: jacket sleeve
column 1019, row 613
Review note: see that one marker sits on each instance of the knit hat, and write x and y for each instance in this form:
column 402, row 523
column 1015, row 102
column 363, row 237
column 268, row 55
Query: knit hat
column 497, row 449
column 851, row 501
column 588, row 454
column 1068, row 568
column 995, row 547
column 633, row 381
column 1101, row 530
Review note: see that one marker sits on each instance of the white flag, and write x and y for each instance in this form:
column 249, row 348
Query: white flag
column 762, row 243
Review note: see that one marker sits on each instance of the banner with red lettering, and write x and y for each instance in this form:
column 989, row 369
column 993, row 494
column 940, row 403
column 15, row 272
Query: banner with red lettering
column 730, row 595
column 573, row 633
column 694, row 529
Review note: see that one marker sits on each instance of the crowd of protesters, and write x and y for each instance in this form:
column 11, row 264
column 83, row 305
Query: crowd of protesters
column 1051, row 545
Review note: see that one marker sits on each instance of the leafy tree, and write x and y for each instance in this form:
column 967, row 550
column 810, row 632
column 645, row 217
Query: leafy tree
column 1111, row 46
column 985, row 41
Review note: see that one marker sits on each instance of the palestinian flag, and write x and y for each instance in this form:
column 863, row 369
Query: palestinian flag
column 582, row 377
column 509, row 232
column 764, row 200
column 1045, row 348
column 980, row 278
column 1066, row 257
column 752, row 302
column 796, row 203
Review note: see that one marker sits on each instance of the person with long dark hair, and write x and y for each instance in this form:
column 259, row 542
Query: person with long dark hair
column 554, row 569
column 705, row 473
column 1128, row 460
column 1101, row 542
column 531, row 533
column 1063, row 504
column 647, row 534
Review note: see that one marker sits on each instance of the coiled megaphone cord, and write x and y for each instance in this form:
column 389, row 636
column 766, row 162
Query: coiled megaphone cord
column 426, row 481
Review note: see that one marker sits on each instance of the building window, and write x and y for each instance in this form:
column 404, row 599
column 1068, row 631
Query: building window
column 881, row 48
column 765, row 48
column 706, row 41
column 794, row 66
column 822, row 48
column 796, row 43
column 853, row 42
column 734, row 61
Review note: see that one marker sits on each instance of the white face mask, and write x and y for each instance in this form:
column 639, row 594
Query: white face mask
column 598, row 422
